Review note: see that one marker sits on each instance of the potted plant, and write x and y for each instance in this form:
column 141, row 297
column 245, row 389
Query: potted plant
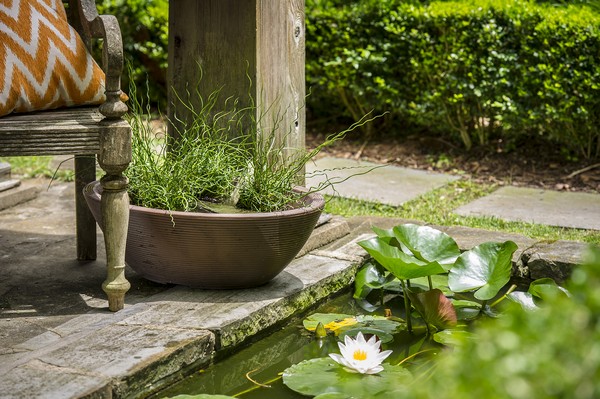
column 215, row 209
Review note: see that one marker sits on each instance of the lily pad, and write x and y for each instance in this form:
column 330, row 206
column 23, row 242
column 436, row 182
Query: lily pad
column 545, row 288
column 452, row 337
column 440, row 281
column 525, row 299
column 466, row 310
column 428, row 244
column 486, row 268
column 368, row 278
column 320, row 376
column 331, row 321
column 343, row 323
column 401, row 265
column 383, row 336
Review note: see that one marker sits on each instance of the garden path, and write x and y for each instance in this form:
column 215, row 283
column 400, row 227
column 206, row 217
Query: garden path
column 394, row 185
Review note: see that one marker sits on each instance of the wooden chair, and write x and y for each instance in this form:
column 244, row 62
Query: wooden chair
column 88, row 132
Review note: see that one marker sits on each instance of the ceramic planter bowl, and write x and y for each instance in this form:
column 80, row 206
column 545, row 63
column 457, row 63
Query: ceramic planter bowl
column 213, row 251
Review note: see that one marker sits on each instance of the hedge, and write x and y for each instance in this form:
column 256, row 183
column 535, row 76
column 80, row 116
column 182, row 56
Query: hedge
column 475, row 69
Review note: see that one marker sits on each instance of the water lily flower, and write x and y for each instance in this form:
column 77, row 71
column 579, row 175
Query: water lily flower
column 360, row 356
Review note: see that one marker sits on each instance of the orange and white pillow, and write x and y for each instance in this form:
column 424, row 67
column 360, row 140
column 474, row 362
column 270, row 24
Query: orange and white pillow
column 44, row 64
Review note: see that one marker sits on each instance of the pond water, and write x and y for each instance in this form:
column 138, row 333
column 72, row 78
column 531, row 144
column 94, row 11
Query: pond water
column 265, row 359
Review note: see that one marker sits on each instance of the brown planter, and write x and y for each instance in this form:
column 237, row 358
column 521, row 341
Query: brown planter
column 213, row 251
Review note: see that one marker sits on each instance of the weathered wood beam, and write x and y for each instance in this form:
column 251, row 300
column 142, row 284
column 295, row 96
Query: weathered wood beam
column 233, row 43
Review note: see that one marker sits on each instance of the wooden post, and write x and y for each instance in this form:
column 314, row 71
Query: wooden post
column 233, row 43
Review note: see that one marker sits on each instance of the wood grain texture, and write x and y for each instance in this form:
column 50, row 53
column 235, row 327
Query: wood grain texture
column 252, row 50
column 68, row 131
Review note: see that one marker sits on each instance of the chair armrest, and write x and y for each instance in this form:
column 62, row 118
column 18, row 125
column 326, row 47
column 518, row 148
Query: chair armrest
column 105, row 27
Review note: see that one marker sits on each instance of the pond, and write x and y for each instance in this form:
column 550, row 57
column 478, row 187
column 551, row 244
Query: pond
column 412, row 267
column 264, row 360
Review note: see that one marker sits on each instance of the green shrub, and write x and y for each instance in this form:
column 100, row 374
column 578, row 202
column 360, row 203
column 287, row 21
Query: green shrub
column 144, row 27
column 553, row 352
column 475, row 68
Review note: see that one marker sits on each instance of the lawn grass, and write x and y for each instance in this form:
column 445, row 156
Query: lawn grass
column 37, row 166
column 436, row 207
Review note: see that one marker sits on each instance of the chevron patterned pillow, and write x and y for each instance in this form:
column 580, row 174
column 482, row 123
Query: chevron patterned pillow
column 44, row 64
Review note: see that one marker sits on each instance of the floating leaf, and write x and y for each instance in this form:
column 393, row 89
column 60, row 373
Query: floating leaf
column 341, row 323
column 435, row 309
column 525, row 299
column 369, row 277
column 466, row 310
column 485, row 268
column 311, row 322
column 428, row 244
column 383, row 336
column 401, row 265
column 545, row 288
column 452, row 337
column 323, row 375
column 380, row 323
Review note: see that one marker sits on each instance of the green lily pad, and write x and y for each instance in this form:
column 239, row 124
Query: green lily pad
column 343, row 324
column 428, row 244
column 401, row 265
column 320, row 376
column 452, row 337
column 525, row 299
column 466, row 310
column 545, row 288
column 486, row 268
column 383, row 336
column 311, row 322
column 440, row 281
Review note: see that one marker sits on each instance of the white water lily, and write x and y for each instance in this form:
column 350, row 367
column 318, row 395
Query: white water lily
column 360, row 356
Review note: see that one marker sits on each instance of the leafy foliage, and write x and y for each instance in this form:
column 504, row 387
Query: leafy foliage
column 410, row 252
column 552, row 352
column 323, row 375
column 475, row 68
column 486, row 268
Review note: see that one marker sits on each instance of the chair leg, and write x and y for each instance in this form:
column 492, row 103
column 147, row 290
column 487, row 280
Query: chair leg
column 115, row 216
column 85, row 172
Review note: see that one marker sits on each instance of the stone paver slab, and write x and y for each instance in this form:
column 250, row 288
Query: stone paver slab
column 42, row 380
column 554, row 208
column 132, row 356
column 391, row 185
column 237, row 314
